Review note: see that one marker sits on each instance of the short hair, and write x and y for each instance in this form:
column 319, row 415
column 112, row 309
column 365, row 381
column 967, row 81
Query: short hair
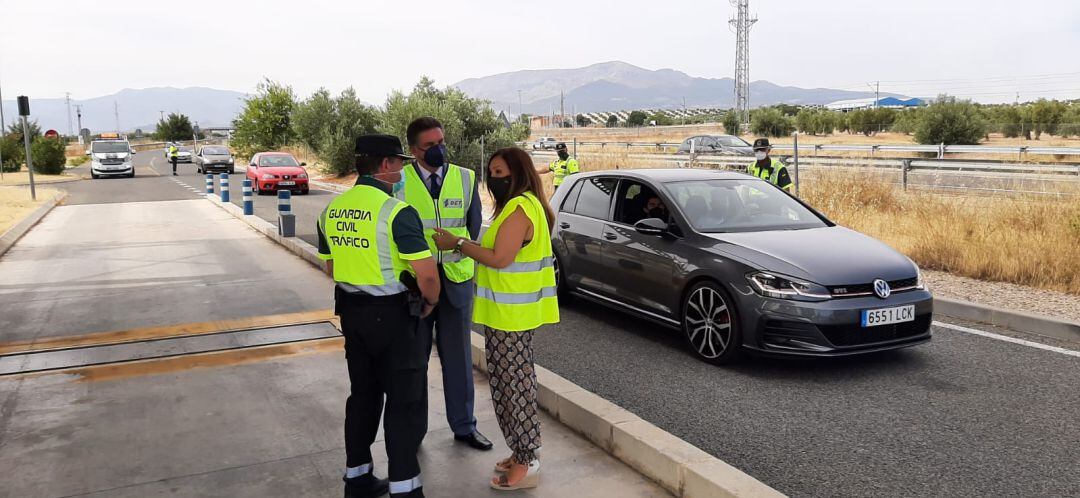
column 420, row 125
column 366, row 165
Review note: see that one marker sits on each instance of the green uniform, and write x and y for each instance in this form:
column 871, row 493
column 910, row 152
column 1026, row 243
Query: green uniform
column 776, row 173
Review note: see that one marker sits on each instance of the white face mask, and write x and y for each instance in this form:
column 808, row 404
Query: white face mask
column 760, row 155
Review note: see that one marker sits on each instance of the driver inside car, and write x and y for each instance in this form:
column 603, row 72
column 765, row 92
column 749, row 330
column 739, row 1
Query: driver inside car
column 654, row 208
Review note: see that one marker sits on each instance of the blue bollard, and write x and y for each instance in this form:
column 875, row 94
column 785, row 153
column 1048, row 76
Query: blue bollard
column 284, row 201
column 209, row 183
column 224, row 187
column 286, row 220
column 249, row 201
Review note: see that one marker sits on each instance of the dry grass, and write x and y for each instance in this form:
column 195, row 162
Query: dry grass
column 1026, row 241
column 22, row 177
column 15, row 204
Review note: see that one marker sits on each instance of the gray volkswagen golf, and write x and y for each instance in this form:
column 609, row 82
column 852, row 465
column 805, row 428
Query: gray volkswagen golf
column 735, row 263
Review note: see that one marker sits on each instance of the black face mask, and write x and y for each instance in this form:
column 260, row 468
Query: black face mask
column 500, row 188
column 657, row 213
column 563, row 155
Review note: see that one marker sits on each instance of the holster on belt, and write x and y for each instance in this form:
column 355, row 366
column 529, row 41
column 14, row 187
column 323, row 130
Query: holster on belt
column 413, row 296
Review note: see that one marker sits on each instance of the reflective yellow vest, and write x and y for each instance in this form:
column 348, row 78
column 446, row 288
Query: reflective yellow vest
column 563, row 169
column 521, row 296
column 358, row 226
column 764, row 173
column 449, row 213
column 173, row 150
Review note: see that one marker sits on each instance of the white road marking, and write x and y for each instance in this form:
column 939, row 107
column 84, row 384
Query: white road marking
column 1006, row 338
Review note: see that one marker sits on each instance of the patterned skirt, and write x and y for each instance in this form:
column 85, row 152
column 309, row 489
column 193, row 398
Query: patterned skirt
column 513, row 390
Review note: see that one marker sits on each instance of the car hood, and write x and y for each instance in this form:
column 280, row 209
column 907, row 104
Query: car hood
column 281, row 170
column 828, row 255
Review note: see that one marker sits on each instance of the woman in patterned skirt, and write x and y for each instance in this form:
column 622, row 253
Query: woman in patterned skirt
column 515, row 294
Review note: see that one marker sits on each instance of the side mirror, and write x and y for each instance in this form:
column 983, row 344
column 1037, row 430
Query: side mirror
column 651, row 226
column 303, row 164
column 88, row 152
column 133, row 152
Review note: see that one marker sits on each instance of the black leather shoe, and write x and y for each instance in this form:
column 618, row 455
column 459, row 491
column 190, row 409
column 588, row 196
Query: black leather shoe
column 476, row 440
column 365, row 486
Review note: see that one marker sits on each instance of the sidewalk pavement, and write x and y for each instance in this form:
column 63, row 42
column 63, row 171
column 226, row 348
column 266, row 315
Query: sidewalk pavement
column 268, row 429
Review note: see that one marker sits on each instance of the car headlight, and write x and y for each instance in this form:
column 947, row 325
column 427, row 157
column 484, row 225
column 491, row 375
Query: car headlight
column 302, row 175
column 919, row 282
column 268, row 176
column 780, row 287
column 231, row 160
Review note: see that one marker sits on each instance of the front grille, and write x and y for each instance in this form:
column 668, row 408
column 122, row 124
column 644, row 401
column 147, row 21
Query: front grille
column 856, row 335
column 868, row 289
column 112, row 161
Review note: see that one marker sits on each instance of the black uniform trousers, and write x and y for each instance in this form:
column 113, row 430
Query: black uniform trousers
column 173, row 160
column 386, row 357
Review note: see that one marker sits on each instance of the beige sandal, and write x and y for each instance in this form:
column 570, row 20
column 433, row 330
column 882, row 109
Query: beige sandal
column 503, row 466
column 531, row 479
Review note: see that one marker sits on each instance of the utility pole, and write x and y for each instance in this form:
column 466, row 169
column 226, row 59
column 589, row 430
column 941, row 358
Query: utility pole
column 67, row 96
column 684, row 116
column 520, row 110
column 78, row 115
column 1, row 132
column 877, row 92
column 162, row 113
column 741, row 24
column 116, row 112
column 562, row 109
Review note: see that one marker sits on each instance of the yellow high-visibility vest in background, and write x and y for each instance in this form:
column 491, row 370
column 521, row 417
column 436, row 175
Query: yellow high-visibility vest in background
column 563, row 169
column 521, row 296
column 449, row 212
column 358, row 227
column 772, row 177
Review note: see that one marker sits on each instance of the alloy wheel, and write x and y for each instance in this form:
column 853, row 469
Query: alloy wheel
column 708, row 322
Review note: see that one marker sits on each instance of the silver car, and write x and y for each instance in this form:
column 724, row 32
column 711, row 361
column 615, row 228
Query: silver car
column 215, row 158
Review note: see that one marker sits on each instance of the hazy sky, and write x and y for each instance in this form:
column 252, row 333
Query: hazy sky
column 982, row 49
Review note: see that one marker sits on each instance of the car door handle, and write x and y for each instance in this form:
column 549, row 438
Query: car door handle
column 564, row 225
column 610, row 236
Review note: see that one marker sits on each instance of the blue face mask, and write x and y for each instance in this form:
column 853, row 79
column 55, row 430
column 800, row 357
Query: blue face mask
column 435, row 156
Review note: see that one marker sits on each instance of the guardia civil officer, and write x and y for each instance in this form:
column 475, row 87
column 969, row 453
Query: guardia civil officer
column 447, row 197
column 173, row 151
column 562, row 167
column 769, row 169
column 386, row 278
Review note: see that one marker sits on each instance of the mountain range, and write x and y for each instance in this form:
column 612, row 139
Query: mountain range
column 618, row 86
column 137, row 109
column 608, row 86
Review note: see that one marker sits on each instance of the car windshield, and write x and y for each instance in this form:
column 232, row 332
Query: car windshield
column 715, row 206
column 730, row 141
column 215, row 151
column 277, row 161
column 110, row 147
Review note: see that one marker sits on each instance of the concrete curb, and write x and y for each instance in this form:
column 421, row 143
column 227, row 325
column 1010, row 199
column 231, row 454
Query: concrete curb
column 680, row 467
column 13, row 234
column 1015, row 320
column 295, row 245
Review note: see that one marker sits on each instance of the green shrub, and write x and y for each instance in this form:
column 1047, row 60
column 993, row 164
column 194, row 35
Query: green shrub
column 950, row 121
column 78, row 161
column 263, row 123
column 731, row 123
column 12, row 150
column 636, row 118
column 612, row 121
column 772, row 123
column 48, row 156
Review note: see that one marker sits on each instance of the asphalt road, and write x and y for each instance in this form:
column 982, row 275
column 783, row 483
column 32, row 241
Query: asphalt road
column 965, row 415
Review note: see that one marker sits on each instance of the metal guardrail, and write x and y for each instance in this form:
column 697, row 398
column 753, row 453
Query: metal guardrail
column 940, row 150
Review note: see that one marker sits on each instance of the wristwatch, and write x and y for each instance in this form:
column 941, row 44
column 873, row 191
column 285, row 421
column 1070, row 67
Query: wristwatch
column 460, row 242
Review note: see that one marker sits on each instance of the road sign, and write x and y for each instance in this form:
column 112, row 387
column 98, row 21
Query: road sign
column 51, row 134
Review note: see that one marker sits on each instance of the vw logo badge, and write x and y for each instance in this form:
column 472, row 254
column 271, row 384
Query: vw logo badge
column 881, row 288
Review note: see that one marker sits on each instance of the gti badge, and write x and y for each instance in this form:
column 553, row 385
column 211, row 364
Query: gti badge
column 881, row 288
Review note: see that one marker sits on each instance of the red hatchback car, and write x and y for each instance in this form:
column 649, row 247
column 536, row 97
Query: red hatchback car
column 273, row 171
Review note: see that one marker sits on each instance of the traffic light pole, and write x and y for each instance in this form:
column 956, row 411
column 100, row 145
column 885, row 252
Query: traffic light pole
column 29, row 161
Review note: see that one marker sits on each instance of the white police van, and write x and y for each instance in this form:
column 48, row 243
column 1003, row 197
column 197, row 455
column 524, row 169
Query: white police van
column 111, row 155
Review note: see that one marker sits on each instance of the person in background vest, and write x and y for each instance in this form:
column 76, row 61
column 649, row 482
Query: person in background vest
column 173, row 151
column 562, row 167
column 769, row 169
column 385, row 286
column 447, row 196
column 515, row 294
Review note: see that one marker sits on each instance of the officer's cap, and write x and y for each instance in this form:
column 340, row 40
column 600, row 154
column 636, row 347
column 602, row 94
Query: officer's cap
column 761, row 144
column 560, row 146
column 377, row 145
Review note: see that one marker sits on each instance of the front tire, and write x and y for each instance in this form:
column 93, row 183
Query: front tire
column 710, row 324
